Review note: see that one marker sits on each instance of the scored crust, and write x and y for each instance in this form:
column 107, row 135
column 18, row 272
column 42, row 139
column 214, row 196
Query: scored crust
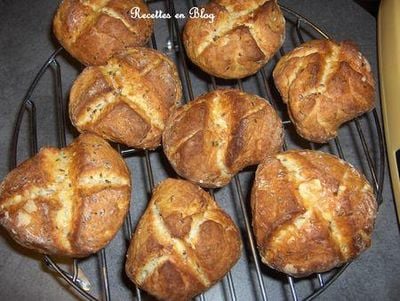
column 93, row 30
column 311, row 212
column 324, row 84
column 210, row 139
column 176, row 251
column 242, row 38
column 69, row 201
column 129, row 99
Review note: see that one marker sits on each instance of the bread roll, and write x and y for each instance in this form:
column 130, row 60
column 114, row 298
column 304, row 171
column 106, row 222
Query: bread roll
column 213, row 137
column 325, row 84
column 311, row 212
column 129, row 99
column 69, row 201
column 176, row 250
column 241, row 39
column 93, row 30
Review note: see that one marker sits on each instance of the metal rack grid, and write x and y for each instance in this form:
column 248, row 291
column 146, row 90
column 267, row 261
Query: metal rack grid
column 302, row 28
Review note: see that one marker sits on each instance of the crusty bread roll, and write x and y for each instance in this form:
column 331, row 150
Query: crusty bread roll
column 311, row 212
column 93, row 30
column 210, row 139
column 241, row 39
column 324, row 83
column 129, row 99
column 183, row 244
column 69, row 201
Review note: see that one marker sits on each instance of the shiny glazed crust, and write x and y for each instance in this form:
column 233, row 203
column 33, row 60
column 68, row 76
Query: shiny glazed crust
column 242, row 38
column 69, row 201
column 210, row 139
column 129, row 99
column 324, row 84
column 311, row 212
column 93, row 30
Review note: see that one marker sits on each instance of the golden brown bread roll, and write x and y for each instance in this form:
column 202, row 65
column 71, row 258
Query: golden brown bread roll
column 241, row 39
column 93, row 30
column 311, row 212
column 176, row 250
column 213, row 137
column 324, row 84
column 69, row 201
column 129, row 99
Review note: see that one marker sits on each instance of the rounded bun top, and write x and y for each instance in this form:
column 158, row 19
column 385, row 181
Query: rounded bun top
column 311, row 212
column 212, row 138
column 69, row 201
column 242, row 38
column 324, row 83
column 93, row 30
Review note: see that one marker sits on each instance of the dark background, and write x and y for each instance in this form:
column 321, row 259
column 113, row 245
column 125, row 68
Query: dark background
column 370, row 5
column 26, row 42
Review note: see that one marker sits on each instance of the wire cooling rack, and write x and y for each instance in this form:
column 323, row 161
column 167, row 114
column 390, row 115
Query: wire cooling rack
column 249, row 279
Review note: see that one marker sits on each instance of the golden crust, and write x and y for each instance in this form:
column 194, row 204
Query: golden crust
column 129, row 99
column 212, row 138
column 325, row 84
column 176, row 251
column 242, row 38
column 93, row 30
column 311, row 212
column 69, row 201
